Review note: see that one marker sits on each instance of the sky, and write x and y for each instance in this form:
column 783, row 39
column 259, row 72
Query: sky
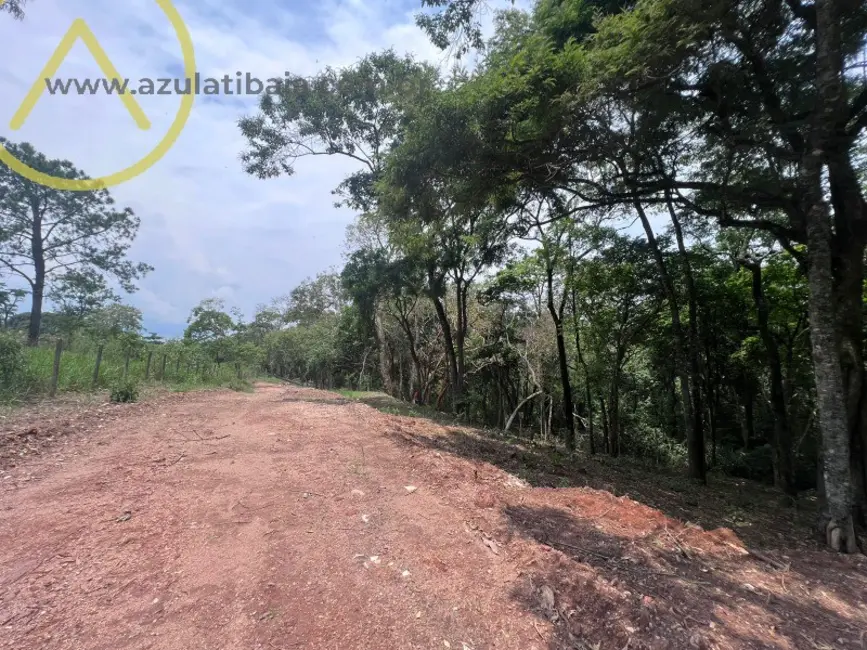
column 208, row 228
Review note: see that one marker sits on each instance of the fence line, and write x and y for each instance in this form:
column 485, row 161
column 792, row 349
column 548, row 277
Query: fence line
column 62, row 369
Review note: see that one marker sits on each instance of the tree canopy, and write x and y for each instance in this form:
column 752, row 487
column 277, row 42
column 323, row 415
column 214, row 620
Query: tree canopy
column 648, row 214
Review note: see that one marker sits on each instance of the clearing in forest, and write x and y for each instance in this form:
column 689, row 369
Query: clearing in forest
column 294, row 518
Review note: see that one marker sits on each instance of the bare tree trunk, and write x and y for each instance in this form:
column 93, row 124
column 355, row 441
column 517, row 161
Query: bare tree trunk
column 557, row 317
column 749, row 426
column 584, row 367
column 35, row 324
column 836, row 521
column 446, row 327
column 614, row 416
column 461, row 290
column 37, row 287
column 696, row 439
column 692, row 416
column 836, row 518
column 849, row 248
column 782, row 443
column 384, row 360
column 604, row 411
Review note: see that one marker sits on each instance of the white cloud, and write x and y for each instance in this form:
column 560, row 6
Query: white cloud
column 207, row 227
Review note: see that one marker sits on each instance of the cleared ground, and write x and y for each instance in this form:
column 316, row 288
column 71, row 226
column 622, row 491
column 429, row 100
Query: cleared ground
column 294, row 518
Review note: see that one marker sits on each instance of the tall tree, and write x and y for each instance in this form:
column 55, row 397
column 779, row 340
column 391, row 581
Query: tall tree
column 354, row 112
column 746, row 112
column 46, row 233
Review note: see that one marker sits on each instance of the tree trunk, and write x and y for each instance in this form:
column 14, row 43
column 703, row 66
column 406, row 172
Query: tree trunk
column 605, row 431
column 38, row 284
column 692, row 417
column 36, row 311
column 836, row 521
column 782, row 443
column 446, row 328
column 749, row 426
column 614, row 416
column 696, row 446
column 557, row 317
column 849, row 249
column 461, row 290
column 384, row 361
column 583, row 363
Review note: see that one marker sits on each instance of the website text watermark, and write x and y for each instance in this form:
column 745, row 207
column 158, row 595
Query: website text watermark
column 80, row 31
column 237, row 84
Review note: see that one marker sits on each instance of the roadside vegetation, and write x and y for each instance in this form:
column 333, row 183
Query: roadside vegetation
column 631, row 229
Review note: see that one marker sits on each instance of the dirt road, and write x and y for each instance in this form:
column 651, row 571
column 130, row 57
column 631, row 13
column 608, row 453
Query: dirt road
column 290, row 518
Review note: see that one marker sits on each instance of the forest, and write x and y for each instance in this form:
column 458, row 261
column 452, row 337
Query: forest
column 635, row 228
column 623, row 228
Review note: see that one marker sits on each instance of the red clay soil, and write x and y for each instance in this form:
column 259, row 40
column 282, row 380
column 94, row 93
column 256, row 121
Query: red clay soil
column 290, row 518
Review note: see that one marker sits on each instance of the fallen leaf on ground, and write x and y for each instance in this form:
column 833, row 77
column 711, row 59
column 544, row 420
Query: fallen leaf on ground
column 411, row 488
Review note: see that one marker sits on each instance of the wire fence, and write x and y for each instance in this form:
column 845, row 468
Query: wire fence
column 54, row 367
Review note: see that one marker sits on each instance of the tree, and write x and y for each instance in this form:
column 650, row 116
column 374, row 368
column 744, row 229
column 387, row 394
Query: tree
column 9, row 299
column 770, row 110
column 14, row 7
column 78, row 293
column 315, row 298
column 210, row 325
column 114, row 321
column 354, row 112
column 743, row 112
column 46, row 233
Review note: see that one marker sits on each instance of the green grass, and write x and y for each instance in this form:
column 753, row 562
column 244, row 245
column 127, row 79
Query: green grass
column 388, row 404
column 269, row 380
column 77, row 374
column 360, row 394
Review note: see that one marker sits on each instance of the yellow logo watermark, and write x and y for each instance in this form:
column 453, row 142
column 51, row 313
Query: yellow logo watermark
column 80, row 30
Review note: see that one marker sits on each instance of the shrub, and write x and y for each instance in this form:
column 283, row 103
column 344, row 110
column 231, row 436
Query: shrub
column 654, row 446
column 124, row 392
column 16, row 378
column 241, row 385
column 754, row 464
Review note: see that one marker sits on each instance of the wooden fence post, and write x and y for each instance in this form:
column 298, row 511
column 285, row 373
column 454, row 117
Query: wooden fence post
column 178, row 366
column 163, row 370
column 58, row 351
column 148, row 366
column 238, row 368
column 126, row 366
column 96, row 367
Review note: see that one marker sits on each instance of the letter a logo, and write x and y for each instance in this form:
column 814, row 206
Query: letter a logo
column 78, row 30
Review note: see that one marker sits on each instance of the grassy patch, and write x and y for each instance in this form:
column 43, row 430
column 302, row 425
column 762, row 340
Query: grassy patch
column 388, row 404
column 33, row 379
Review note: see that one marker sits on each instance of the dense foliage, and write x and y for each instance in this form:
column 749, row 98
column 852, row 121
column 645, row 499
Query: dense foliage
column 635, row 227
